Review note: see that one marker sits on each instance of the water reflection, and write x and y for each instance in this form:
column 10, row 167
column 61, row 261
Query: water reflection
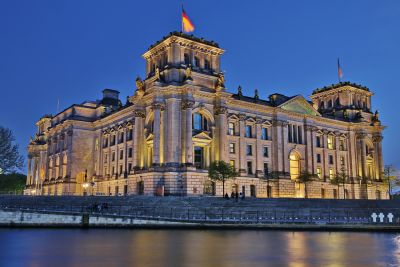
column 35, row 247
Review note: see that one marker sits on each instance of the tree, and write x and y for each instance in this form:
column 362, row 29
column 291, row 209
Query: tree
column 221, row 171
column 390, row 178
column 339, row 179
column 12, row 183
column 305, row 178
column 10, row 159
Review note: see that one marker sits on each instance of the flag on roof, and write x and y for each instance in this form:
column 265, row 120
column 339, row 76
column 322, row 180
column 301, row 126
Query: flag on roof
column 187, row 24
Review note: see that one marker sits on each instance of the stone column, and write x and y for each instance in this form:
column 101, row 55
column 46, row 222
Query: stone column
column 363, row 152
column 337, row 156
column 187, row 107
column 222, row 133
column 309, row 138
column 28, row 181
column 285, row 152
column 172, row 143
column 242, row 144
column 379, row 169
column 157, row 107
column 139, row 138
column 259, row 150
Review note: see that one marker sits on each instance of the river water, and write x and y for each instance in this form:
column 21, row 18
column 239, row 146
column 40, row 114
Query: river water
column 208, row 248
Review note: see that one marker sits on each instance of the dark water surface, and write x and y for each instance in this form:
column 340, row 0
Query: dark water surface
column 208, row 248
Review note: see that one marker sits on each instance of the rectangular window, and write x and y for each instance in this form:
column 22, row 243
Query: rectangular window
column 129, row 135
column 121, row 154
column 197, row 121
column 207, row 64
column 330, row 142
column 129, row 167
column 249, row 150
column 198, row 157
column 318, row 141
column 113, row 156
column 330, row 159
column 250, row 167
column 105, row 158
column 113, row 140
column 266, row 168
column 186, row 59
column 299, row 132
column 105, row 142
column 232, row 162
column 331, row 174
column 196, row 62
column 113, row 170
column 130, row 152
column 318, row 158
column 121, row 138
column 290, row 133
column 322, row 193
column 264, row 134
column 248, row 131
column 232, row 148
column 295, row 134
column 120, row 169
column 231, row 128
column 342, row 162
column 341, row 144
column 319, row 172
column 265, row 152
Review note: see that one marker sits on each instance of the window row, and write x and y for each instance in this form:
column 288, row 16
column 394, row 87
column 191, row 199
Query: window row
column 121, row 139
column 249, row 133
column 295, row 134
column 121, row 155
column 249, row 150
column 330, row 142
column 120, row 172
column 249, row 169
column 196, row 62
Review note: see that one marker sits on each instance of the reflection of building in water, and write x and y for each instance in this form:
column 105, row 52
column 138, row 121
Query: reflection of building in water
column 181, row 118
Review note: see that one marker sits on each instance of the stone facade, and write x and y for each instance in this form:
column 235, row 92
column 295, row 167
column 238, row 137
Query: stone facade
column 181, row 117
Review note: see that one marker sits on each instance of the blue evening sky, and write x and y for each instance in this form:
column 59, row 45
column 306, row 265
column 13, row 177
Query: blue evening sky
column 71, row 50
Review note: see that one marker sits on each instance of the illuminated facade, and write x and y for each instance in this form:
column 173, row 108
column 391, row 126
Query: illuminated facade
column 181, row 118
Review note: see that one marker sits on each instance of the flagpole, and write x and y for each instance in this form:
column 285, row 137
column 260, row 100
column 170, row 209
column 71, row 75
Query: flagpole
column 181, row 19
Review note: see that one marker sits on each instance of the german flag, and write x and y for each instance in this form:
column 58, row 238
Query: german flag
column 187, row 25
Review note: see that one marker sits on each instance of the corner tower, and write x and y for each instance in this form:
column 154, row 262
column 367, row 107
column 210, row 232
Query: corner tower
column 170, row 58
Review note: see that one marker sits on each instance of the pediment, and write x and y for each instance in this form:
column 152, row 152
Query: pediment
column 202, row 136
column 299, row 104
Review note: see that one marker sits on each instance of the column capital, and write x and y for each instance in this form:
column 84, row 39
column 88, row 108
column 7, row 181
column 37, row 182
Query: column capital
column 220, row 110
column 139, row 113
column 242, row 117
column 377, row 138
column 187, row 104
column 361, row 135
column 158, row 105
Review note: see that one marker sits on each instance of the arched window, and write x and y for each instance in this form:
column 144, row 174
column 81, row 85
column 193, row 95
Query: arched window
column 294, row 161
column 200, row 122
